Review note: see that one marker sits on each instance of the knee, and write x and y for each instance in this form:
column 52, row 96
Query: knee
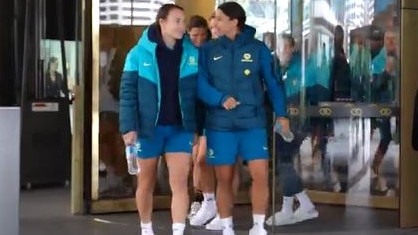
column 146, row 182
column 225, row 180
column 179, row 183
column 260, row 177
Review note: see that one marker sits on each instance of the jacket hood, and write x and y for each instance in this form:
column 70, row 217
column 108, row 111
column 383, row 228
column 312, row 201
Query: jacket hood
column 247, row 33
column 151, row 37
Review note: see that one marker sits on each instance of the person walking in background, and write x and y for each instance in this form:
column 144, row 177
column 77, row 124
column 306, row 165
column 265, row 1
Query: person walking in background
column 198, row 32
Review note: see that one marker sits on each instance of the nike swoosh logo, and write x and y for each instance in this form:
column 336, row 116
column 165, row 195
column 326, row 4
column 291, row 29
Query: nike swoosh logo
column 147, row 64
column 217, row 58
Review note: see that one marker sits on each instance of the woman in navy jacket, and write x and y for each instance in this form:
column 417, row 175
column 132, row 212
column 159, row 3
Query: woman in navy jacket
column 233, row 70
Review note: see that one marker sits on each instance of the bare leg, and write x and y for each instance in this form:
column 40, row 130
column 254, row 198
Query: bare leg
column 145, row 188
column 236, row 180
column 259, row 188
column 178, row 168
column 225, row 198
column 206, row 173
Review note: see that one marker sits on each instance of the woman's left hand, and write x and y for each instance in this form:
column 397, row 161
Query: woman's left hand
column 284, row 124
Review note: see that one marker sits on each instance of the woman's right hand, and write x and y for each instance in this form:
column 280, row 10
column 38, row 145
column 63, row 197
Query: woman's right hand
column 129, row 138
column 230, row 103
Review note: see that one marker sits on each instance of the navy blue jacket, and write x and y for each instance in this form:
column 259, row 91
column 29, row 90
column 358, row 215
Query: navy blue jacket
column 140, row 89
column 238, row 68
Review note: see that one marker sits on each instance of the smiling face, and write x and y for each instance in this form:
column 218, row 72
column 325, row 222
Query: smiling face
column 212, row 27
column 225, row 25
column 173, row 25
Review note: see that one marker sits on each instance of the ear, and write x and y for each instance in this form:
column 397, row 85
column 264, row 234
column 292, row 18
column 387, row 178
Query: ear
column 161, row 22
column 235, row 21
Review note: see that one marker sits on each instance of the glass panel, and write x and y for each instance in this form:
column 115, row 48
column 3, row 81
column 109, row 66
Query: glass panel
column 51, row 57
column 114, row 180
column 115, row 41
column 339, row 61
column 351, row 67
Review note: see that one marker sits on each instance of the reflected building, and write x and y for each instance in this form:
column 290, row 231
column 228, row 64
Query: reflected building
column 358, row 13
column 130, row 12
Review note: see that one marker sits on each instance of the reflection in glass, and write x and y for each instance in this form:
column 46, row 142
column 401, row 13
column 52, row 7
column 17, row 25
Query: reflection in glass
column 53, row 80
column 351, row 55
column 343, row 97
column 129, row 12
column 53, row 68
column 114, row 180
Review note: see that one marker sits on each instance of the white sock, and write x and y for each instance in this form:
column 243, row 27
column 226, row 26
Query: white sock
column 287, row 205
column 178, row 226
column 209, row 197
column 146, row 225
column 258, row 220
column 305, row 202
column 227, row 223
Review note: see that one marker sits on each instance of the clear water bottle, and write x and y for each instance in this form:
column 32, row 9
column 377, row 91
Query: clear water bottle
column 288, row 137
column 131, row 158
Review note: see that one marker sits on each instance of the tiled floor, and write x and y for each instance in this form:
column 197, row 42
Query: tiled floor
column 47, row 212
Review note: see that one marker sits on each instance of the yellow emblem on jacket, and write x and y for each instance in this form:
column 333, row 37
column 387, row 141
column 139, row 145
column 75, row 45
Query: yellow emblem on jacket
column 246, row 58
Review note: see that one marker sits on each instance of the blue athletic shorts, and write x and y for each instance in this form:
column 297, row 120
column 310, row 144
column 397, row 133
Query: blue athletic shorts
column 166, row 139
column 225, row 146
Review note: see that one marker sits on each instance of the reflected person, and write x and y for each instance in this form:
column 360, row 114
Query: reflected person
column 384, row 84
column 53, row 80
column 291, row 70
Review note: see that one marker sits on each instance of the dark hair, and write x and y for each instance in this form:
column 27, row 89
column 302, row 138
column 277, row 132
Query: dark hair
column 234, row 11
column 289, row 38
column 52, row 60
column 338, row 38
column 197, row 21
column 339, row 30
column 165, row 10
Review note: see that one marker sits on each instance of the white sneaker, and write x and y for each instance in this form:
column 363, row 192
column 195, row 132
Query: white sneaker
column 178, row 232
column 206, row 212
column 194, row 208
column 281, row 218
column 382, row 185
column 257, row 230
column 215, row 224
column 228, row 231
column 302, row 215
column 147, row 231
